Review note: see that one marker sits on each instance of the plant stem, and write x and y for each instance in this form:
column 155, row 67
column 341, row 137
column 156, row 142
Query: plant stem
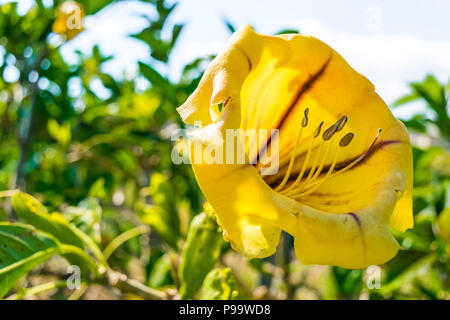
column 37, row 289
column 120, row 239
column 121, row 281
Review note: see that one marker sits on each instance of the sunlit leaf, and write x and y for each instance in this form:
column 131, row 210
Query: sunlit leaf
column 22, row 248
column 33, row 212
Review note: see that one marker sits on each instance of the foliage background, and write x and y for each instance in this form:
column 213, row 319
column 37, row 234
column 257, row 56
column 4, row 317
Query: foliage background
column 101, row 165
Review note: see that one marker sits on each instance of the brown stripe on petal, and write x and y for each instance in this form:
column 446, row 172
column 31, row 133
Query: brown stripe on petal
column 356, row 218
column 363, row 241
column 246, row 57
column 300, row 92
column 341, row 165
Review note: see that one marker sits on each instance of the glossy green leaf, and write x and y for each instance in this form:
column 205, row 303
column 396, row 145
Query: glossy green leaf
column 22, row 248
column 30, row 210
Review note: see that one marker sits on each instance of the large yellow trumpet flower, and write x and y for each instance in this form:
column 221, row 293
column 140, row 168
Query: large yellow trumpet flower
column 344, row 162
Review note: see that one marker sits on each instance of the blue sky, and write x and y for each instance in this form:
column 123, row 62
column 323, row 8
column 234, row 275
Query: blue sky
column 390, row 42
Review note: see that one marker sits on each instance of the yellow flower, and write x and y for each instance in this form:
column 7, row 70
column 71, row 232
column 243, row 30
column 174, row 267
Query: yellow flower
column 345, row 163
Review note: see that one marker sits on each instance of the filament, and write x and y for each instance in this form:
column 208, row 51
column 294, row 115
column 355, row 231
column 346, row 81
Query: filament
column 294, row 152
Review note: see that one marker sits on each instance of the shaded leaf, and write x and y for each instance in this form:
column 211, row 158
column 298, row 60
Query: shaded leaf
column 417, row 269
column 155, row 78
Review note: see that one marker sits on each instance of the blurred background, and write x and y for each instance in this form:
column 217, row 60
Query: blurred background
column 88, row 93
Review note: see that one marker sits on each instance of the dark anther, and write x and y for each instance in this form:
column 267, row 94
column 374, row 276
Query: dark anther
column 346, row 139
column 317, row 132
column 305, row 118
column 327, row 134
column 341, row 123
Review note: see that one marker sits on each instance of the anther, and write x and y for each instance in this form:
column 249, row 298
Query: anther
column 313, row 185
column 319, row 128
column 346, row 139
column 356, row 161
column 327, row 134
column 340, row 124
column 305, row 118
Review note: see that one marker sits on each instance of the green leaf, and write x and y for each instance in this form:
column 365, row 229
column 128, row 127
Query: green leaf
column 160, row 49
column 219, row 284
column 33, row 212
column 155, row 78
column 202, row 249
column 160, row 272
column 405, row 99
column 30, row 210
column 97, row 189
column 415, row 270
column 434, row 94
column 86, row 216
column 60, row 133
column 349, row 282
column 22, row 248
column 417, row 123
column 110, row 83
column 160, row 220
column 92, row 6
column 443, row 225
column 162, row 215
column 229, row 25
column 288, row 31
column 176, row 31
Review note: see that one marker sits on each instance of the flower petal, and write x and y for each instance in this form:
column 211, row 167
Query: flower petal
column 267, row 83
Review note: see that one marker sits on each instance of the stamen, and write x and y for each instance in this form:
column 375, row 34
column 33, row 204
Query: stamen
column 322, row 163
column 340, row 124
column 327, row 135
column 317, row 132
column 357, row 160
column 345, row 141
column 305, row 163
column 305, row 118
column 291, row 161
column 313, row 167
column 329, row 132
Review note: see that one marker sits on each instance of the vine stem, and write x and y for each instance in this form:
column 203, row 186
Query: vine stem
column 124, row 284
column 120, row 239
column 37, row 289
column 7, row 193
